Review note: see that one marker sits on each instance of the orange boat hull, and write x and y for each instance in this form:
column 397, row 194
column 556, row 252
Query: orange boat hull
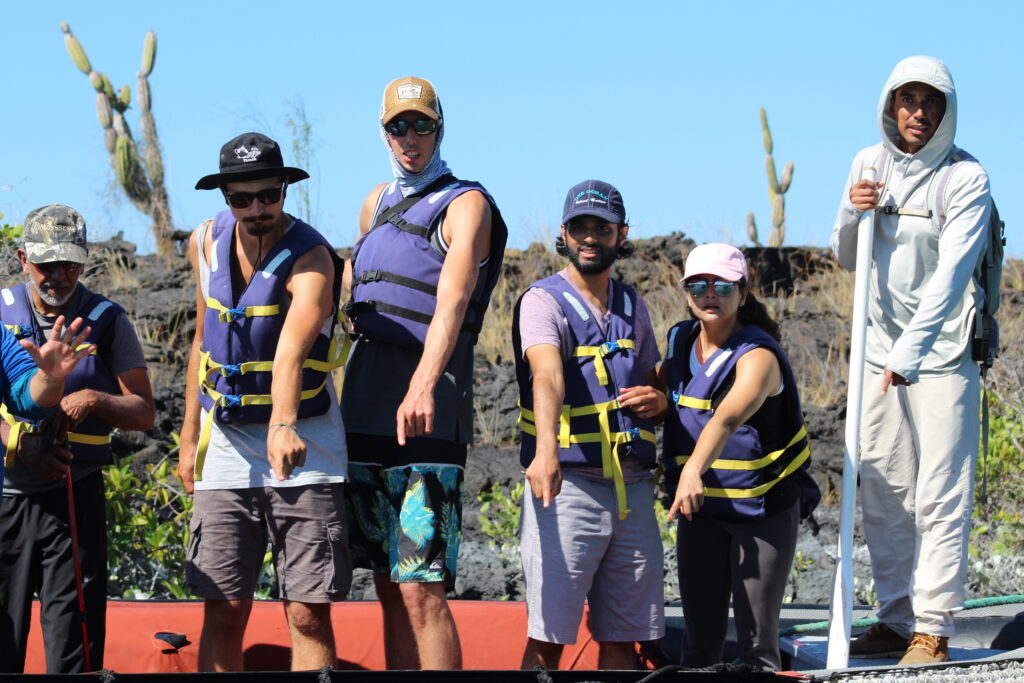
column 493, row 636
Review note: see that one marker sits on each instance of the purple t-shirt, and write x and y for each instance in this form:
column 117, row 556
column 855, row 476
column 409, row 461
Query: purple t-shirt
column 541, row 321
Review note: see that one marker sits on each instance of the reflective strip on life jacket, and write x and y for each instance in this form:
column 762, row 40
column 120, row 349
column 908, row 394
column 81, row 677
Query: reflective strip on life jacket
column 799, row 441
column 601, row 352
column 611, row 467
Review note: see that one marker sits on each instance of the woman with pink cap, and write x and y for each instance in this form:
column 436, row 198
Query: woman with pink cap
column 736, row 452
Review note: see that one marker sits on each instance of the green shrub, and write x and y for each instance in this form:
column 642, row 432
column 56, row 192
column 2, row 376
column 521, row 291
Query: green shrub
column 999, row 525
column 148, row 516
column 499, row 513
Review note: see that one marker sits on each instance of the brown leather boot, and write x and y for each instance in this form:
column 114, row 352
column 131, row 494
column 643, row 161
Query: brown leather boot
column 926, row 649
column 879, row 642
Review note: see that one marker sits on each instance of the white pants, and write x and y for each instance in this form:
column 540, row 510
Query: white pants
column 919, row 445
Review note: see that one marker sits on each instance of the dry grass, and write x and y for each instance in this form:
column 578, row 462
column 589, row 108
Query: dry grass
column 814, row 318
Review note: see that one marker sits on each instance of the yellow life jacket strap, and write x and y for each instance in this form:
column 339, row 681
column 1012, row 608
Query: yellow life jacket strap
column 763, row 461
column 793, row 466
column 599, row 353
column 229, row 315
column 18, row 427
column 690, row 401
column 611, row 467
column 89, row 439
column 11, row 447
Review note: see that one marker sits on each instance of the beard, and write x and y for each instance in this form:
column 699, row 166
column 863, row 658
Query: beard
column 51, row 299
column 258, row 225
column 606, row 256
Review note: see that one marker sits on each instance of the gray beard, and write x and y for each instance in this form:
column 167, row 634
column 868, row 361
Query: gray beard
column 49, row 299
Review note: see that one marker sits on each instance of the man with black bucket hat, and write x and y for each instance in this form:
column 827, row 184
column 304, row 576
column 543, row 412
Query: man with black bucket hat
column 263, row 445
column 429, row 254
column 53, row 530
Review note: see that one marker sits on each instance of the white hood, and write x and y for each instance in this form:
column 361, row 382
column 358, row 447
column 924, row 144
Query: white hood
column 920, row 69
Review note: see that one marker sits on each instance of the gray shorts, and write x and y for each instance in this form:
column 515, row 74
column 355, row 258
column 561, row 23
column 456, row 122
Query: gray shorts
column 230, row 529
column 578, row 549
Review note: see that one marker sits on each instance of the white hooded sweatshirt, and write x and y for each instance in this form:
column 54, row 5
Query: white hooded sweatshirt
column 921, row 306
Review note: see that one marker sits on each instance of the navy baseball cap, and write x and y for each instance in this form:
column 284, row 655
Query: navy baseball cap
column 594, row 198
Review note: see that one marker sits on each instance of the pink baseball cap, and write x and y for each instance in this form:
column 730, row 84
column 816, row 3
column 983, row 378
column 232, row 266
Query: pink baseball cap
column 721, row 260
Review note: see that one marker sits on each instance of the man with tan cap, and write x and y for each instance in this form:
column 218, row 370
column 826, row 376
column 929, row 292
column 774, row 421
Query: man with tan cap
column 429, row 254
column 56, row 465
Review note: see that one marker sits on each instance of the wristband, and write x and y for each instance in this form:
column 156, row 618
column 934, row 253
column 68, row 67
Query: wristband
column 291, row 428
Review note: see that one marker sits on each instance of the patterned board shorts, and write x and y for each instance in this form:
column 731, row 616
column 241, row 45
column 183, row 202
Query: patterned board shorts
column 406, row 521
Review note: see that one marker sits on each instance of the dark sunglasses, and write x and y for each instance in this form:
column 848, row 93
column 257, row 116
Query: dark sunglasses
column 700, row 287
column 398, row 128
column 268, row 196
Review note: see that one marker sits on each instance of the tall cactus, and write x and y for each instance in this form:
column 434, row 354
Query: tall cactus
column 776, row 191
column 139, row 168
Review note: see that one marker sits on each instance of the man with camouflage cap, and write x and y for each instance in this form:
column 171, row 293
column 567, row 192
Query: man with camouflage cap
column 54, row 468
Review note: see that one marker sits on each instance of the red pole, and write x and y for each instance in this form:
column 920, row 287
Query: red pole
column 78, row 572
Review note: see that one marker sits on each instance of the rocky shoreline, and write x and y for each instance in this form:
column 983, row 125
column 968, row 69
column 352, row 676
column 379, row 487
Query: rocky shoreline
column 159, row 295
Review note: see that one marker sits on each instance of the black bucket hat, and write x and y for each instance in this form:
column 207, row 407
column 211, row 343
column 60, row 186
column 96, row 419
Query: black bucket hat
column 250, row 156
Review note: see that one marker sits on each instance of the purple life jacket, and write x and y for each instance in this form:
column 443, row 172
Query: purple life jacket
column 753, row 460
column 395, row 267
column 604, row 363
column 90, row 440
column 241, row 330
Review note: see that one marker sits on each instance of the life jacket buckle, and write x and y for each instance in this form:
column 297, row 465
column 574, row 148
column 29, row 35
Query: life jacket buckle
column 353, row 309
column 230, row 370
column 634, row 434
column 232, row 314
column 230, row 400
column 673, row 396
column 609, row 348
column 20, row 332
column 888, row 210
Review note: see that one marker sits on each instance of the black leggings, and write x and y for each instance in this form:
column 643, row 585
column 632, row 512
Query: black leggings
column 748, row 561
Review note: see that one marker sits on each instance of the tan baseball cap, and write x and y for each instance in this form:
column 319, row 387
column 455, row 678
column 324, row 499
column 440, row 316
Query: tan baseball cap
column 409, row 94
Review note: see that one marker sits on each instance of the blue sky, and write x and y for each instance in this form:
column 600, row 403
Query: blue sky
column 659, row 98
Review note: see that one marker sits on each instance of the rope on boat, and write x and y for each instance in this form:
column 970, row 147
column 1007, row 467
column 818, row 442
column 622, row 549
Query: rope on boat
column 868, row 621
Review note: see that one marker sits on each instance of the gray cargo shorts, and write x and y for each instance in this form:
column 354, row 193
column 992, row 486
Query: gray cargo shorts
column 578, row 550
column 230, row 529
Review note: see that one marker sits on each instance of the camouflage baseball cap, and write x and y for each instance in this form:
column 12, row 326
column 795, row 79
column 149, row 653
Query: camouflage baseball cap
column 55, row 233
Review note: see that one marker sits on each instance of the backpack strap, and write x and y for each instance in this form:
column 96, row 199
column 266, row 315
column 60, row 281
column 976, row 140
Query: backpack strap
column 937, row 193
column 883, row 165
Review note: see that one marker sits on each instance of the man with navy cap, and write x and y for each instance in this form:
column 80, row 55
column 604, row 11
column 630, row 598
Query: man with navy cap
column 262, row 445
column 585, row 357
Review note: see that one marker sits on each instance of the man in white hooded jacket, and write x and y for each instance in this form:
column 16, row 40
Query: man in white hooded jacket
column 920, row 426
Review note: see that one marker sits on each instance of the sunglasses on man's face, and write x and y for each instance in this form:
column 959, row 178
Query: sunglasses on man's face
column 398, row 128
column 268, row 196
column 700, row 287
